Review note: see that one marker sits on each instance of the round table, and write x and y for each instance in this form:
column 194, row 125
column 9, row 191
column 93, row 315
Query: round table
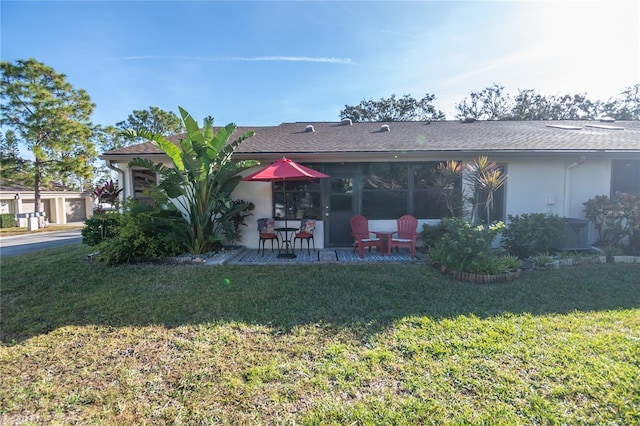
column 285, row 235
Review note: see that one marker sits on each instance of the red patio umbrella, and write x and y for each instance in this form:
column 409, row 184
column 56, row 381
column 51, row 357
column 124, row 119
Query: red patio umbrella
column 285, row 170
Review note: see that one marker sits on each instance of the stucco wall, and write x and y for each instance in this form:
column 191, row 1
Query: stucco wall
column 588, row 180
column 555, row 186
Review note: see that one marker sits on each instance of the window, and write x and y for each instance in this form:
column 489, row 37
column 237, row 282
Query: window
column 430, row 202
column 303, row 199
column 384, row 190
column 497, row 210
column 625, row 177
column 142, row 179
column 377, row 190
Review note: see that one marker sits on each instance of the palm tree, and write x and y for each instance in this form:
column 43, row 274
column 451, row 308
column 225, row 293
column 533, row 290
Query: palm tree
column 485, row 178
column 446, row 182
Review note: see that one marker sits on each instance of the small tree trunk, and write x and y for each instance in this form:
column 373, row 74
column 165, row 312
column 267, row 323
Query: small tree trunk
column 38, row 183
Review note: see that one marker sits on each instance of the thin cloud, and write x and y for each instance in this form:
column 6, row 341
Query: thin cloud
column 321, row 59
column 533, row 55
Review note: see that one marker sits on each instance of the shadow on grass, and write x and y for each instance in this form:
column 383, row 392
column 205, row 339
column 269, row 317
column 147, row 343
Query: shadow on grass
column 61, row 288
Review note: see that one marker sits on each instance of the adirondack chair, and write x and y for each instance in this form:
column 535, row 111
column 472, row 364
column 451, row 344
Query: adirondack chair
column 406, row 235
column 363, row 238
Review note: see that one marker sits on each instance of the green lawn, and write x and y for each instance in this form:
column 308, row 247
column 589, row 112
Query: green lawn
column 314, row 344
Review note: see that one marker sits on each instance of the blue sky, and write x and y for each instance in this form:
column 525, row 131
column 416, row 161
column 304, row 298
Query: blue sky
column 263, row 63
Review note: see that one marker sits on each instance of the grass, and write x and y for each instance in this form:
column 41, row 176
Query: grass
column 315, row 344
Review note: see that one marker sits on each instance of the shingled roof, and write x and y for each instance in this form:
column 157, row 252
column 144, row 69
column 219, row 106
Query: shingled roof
column 437, row 136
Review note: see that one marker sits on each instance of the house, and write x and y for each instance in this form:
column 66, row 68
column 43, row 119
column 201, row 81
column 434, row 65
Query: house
column 60, row 204
column 383, row 170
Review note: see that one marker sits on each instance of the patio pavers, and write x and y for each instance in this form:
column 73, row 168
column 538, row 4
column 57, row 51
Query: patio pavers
column 340, row 255
column 255, row 256
column 347, row 255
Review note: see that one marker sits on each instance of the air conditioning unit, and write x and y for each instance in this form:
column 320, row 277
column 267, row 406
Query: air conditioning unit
column 576, row 235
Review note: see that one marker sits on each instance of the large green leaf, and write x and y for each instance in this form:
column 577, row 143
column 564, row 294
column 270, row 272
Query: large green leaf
column 168, row 147
column 193, row 130
column 148, row 164
column 222, row 137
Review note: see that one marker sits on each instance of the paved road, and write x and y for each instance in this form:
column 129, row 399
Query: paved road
column 27, row 243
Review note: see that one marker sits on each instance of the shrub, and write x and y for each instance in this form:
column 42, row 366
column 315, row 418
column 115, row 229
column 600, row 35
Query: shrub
column 511, row 263
column 541, row 261
column 533, row 233
column 7, row 220
column 467, row 248
column 431, row 234
column 140, row 235
column 101, row 227
column 615, row 219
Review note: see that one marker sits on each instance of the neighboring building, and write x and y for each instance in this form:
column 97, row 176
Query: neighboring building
column 60, row 205
column 383, row 170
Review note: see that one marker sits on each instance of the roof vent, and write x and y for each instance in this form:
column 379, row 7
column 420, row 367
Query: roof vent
column 469, row 119
column 564, row 127
column 309, row 128
column 385, row 128
column 604, row 126
column 347, row 122
column 607, row 119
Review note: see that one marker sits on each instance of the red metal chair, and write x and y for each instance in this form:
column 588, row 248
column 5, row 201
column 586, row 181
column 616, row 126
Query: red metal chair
column 307, row 226
column 363, row 238
column 406, row 235
column 266, row 231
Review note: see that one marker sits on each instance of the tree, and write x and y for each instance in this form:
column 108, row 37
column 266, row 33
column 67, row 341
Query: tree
column 492, row 104
column 626, row 106
column 485, row 177
column 13, row 169
column 200, row 182
column 570, row 107
column 446, row 179
column 154, row 120
column 122, row 134
column 488, row 104
column 9, row 147
column 393, row 109
column 51, row 118
column 529, row 105
column 110, row 137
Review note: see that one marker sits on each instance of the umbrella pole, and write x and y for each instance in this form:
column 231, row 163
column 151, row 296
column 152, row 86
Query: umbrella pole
column 286, row 253
column 286, row 208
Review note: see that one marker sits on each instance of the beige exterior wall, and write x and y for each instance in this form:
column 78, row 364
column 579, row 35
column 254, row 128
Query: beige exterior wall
column 555, row 186
column 59, row 207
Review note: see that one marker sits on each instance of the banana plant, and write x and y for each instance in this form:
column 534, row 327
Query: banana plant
column 200, row 183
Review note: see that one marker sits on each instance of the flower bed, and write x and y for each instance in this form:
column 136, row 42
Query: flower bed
column 481, row 278
column 586, row 260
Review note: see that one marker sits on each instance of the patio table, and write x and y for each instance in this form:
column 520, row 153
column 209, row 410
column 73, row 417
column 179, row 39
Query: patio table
column 285, row 234
column 385, row 237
